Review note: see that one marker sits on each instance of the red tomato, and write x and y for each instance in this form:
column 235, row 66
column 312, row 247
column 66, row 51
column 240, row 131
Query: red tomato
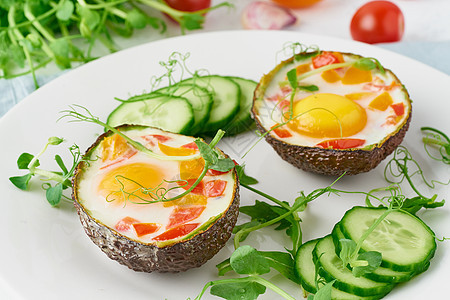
column 215, row 188
column 181, row 215
column 189, row 5
column 378, row 22
column 145, row 228
column 295, row 3
column 176, row 232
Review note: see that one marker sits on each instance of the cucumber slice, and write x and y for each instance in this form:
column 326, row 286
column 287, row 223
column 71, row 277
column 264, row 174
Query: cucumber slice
column 243, row 120
column 226, row 99
column 406, row 243
column 332, row 268
column 380, row 274
column 200, row 99
column 305, row 270
column 170, row 113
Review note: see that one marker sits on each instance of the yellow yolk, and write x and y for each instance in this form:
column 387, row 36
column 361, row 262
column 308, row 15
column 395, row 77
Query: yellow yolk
column 129, row 182
column 328, row 115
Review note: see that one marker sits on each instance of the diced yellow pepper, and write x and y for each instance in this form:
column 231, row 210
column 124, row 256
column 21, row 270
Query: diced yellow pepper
column 358, row 96
column 381, row 102
column 331, row 76
column 356, row 76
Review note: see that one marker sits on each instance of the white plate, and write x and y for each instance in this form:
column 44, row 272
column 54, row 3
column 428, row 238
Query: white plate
column 44, row 251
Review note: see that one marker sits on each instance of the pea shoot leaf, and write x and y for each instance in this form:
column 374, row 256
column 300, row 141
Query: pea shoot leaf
column 21, row 181
column 223, row 165
column 192, row 21
column 54, row 194
column 373, row 259
column 136, row 19
column 24, row 160
column 309, row 88
column 292, row 77
column 348, row 248
column 247, row 260
column 262, row 212
column 365, row 64
column 65, row 10
column 206, row 152
column 246, row 289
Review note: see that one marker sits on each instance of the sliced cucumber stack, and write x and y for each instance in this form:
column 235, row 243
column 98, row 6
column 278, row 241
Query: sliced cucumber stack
column 405, row 242
column 217, row 102
column 226, row 95
column 172, row 113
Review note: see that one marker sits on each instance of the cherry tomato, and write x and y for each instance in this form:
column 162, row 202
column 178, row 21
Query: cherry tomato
column 378, row 22
column 189, row 5
column 295, row 3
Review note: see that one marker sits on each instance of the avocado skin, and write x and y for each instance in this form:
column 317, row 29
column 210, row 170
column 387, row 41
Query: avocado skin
column 178, row 257
column 141, row 257
column 335, row 162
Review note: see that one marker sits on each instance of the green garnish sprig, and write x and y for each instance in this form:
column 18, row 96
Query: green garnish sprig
column 54, row 194
column 213, row 158
column 436, row 139
column 34, row 33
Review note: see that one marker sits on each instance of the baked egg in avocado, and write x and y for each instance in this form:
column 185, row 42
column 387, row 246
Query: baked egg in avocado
column 120, row 192
column 331, row 112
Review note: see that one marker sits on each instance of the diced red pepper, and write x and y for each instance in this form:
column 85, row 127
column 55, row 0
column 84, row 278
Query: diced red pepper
column 125, row 224
column 145, row 228
column 325, row 58
column 153, row 139
column 192, row 145
column 181, row 215
column 399, row 108
column 198, row 188
column 215, row 188
column 176, row 232
column 342, row 143
column 281, row 132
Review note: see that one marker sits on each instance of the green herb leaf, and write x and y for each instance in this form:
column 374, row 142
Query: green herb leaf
column 60, row 163
column 21, row 181
column 282, row 262
column 292, row 77
column 262, row 212
column 206, row 152
column 324, row 293
column 373, row 259
column 247, row 290
column 309, row 88
column 247, row 260
column 348, row 248
column 61, row 48
column 244, row 178
column 24, row 160
column 244, row 226
column 54, row 194
column 192, row 21
column 65, row 10
column 223, row 165
column 365, row 64
column 136, row 19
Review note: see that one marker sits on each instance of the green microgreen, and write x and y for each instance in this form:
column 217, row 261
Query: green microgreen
column 436, row 139
column 34, row 33
column 54, row 194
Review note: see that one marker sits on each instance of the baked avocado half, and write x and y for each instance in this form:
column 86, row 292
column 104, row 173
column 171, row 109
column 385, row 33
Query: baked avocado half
column 331, row 112
column 117, row 191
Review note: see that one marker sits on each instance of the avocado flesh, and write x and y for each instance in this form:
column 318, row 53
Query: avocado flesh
column 181, row 255
column 328, row 161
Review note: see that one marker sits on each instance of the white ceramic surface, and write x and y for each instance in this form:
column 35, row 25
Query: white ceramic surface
column 44, row 253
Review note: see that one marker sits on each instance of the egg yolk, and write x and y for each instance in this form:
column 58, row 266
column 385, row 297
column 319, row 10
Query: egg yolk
column 130, row 182
column 328, row 115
